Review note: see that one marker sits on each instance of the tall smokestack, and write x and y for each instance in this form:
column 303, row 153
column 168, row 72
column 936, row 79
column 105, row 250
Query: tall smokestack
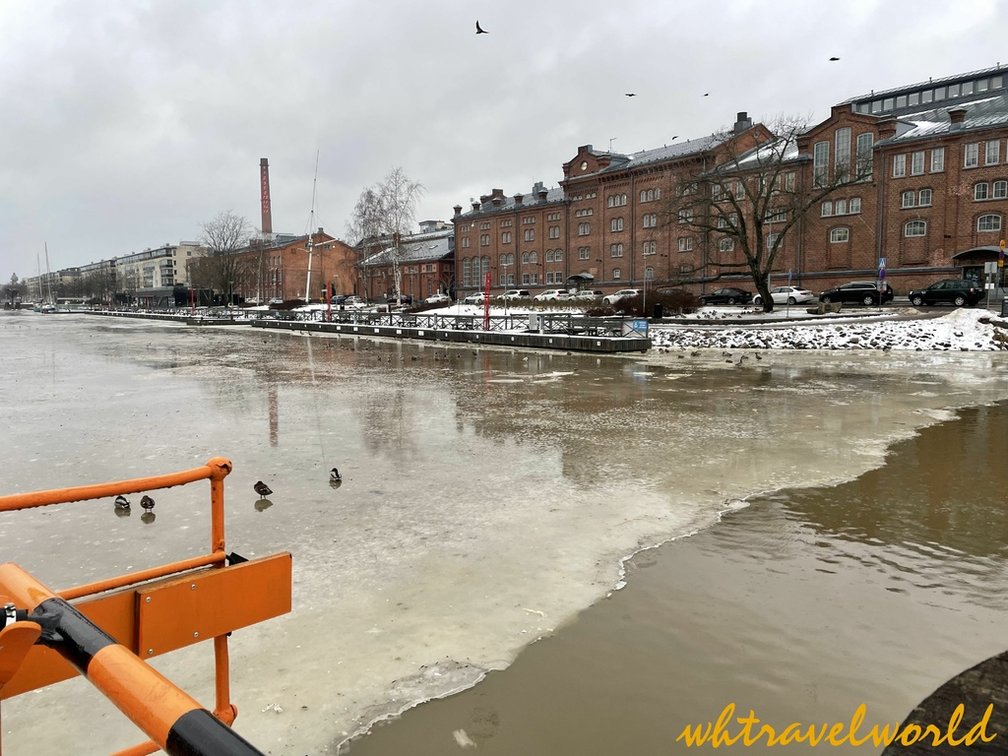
column 267, row 214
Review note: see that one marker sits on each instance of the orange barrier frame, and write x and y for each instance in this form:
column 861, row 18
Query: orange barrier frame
column 156, row 610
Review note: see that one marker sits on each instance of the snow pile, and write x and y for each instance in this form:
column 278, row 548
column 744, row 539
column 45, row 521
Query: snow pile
column 964, row 330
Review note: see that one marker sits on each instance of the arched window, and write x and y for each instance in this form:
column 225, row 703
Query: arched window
column 915, row 228
column 839, row 235
column 989, row 222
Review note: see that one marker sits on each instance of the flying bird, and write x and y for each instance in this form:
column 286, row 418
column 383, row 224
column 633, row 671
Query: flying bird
column 262, row 489
column 706, row 94
column 121, row 502
column 147, row 503
column 631, row 94
column 834, row 58
column 480, row 29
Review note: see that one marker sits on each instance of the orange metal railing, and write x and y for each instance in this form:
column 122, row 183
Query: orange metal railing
column 141, row 614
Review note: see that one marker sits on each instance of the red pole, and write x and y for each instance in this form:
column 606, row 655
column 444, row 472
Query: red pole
column 328, row 309
column 486, row 302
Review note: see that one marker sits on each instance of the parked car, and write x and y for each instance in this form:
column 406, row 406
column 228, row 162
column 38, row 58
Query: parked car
column 477, row 297
column 787, row 295
column 439, row 298
column 354, row 301
column 954, row 291
column 859, row 292
column 405, row 299
column 611, row 299
column 727, row 295
column 587, row 295
column 514, row 295
column 552, row 295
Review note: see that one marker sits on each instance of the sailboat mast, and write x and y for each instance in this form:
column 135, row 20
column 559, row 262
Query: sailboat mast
column 311, row 228
column 49, row 296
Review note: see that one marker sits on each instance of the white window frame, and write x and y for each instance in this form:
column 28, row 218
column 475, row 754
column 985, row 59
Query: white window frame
column 617, row 274
column 727, row 244
column 999, row 190
column 616, row 250
column 992, row 152
column 915, row 223
column 991, row 226
column 971, row 155
column 924, row 197
column 899, row 166
column 820, row 163
column 685, row 243
column 855, row 206
column 981, row 191
column 616, row 224
column 917, row 163
column 908, row 199
column 839, row 235
column 938, row 160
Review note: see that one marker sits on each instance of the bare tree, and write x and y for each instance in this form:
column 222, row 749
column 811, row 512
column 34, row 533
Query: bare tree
column 753, row 198
column 223, row 237
column 383, row 215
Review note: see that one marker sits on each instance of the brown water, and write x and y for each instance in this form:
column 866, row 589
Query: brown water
column 800, row 607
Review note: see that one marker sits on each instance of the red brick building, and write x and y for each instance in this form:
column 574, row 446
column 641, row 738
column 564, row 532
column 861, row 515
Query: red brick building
column 277, row 268
column 933, row 206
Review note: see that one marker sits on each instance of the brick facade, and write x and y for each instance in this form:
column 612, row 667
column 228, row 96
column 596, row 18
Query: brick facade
column 934, row 205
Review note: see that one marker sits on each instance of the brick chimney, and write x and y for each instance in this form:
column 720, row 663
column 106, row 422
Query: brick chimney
column 267, row 212
column 457, row 209
column 957, row 116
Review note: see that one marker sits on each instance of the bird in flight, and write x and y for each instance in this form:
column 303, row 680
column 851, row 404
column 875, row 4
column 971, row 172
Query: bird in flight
column 631, row 94
column 706, row 94
column 262, row 489
column 480, row 29
column 834, row 58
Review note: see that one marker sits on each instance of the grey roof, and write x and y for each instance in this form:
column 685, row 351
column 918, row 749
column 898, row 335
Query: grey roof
column 666, row 152
column 416, row 248
column 983, row 112
column 929, row 83
column 556, row 194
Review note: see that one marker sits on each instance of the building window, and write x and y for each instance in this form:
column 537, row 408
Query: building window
column 820, row 163
column 649, row 248
column 505, row 237
column 584, row 229
column 685, row 243
column 842, row 140
column 650, row 195
column 616, row 200
column 992, row 152
column 528, row 220
column 727, row 244
column 467, row 271
column 898, row 166
column 506, row 223
column 865, row 142
column 908, row 198
column 827, row 209
column 688, row 188
column 650, row 220
column 485, row 226
column 716, row 191
column 686, row 216
column 915, row 228
column 855, row 205
column 971, row 155
column 980, row 191
column 771, row 240
column 616, row 250
column 839, row 235
column 616, row 224
column 484, row 240
column 924, row 198
column 529, row 234
column 789, row 181
column 553, row 217
column 584, row 212
column 840, row 207
column 583, row 253
column 937, row 160
column 465, row 242
column 1000, row 190
column 989, row 222
column 617, row 274
column 554, row 232
column 917, row 163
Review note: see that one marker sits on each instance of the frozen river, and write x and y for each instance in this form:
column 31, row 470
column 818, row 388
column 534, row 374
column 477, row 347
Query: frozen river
column 488, row 495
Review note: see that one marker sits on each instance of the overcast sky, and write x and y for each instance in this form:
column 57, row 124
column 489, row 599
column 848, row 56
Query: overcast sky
column 126, row 125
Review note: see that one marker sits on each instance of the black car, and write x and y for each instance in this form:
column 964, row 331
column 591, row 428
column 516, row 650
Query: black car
column 859, row 292
column 727, row 295
column 954, row 291
column 406, row 299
